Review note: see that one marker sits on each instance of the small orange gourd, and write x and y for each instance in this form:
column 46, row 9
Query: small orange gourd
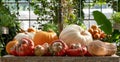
column 10, row 45
column 42, row 37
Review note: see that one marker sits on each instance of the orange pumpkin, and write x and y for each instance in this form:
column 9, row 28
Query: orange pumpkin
column 10, row 45
column 42, row 37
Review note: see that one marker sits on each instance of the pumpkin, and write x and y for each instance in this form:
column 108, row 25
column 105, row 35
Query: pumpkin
column 42, row 37
column 29, row 35
column 10, row 45
column 73, row 34
column 99, row 48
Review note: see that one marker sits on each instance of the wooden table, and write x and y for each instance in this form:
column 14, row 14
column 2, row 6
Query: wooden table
column 59, row 59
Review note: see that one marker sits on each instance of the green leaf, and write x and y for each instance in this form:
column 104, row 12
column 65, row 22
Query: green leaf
column 102, row 20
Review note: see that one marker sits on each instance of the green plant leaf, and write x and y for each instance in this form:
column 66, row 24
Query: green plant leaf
column 102, row 20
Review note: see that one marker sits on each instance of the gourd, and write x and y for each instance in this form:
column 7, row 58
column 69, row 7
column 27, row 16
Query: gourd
column 40, row 50
column 111, row 48
column 29, row 35
column 58, row 48
column 26, row 34
column 73, row 34
column 96, row 32
column 10, row 45
column 99, row 48
column 42, row 37
column 24, row 47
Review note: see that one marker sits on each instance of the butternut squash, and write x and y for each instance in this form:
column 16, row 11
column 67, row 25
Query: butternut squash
column 99, row 48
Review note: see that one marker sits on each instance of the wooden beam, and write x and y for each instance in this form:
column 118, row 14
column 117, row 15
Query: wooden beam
column 60, row 17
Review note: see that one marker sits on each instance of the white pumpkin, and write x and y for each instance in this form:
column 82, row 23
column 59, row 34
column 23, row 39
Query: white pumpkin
column 29, row 35
column 75, row 34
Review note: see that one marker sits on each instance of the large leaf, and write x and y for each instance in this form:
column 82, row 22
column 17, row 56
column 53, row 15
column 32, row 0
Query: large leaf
column 102, row 20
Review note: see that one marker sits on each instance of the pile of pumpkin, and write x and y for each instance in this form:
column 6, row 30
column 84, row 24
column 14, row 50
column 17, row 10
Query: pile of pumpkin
column 72, row 41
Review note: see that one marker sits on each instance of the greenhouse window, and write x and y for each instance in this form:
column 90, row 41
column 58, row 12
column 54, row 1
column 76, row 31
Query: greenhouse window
column 28, row 18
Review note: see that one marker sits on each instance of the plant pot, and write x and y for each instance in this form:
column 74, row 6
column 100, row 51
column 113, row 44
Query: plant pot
column 4, row 30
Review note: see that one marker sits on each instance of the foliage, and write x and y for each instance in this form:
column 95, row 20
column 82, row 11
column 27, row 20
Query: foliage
column 79, row 5
column 46, row 10
column 49, row 11
column 116, row 17
column 115, row 5
column 1, row 45
column 9, row 20
column 114, row 37
column 74, row 12
column 50, row 26
column 6, row 17
column 103, row 22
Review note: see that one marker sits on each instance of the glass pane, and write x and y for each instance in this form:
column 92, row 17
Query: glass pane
column 86, row 10
column 104, row 8
column 23, row 0
column 27, row 15
column 32, row 15
column 23, row 15
column 88, row 0
column 12, row 7
column 24, row 6
column 88, row 23
column 25, row 24
column 8, row 0
column 14, row 0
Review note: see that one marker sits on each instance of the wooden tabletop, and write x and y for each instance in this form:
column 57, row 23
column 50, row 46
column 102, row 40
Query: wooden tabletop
column 60, row 59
